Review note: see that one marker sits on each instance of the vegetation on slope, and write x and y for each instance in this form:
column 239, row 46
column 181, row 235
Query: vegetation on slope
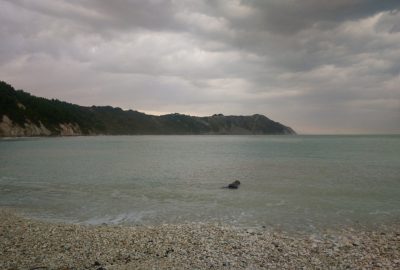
column 21, row 107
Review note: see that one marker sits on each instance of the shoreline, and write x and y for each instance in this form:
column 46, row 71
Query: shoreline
column 33, row 244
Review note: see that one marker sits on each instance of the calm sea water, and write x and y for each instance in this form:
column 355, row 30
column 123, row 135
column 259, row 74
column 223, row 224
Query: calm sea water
column 293, row 182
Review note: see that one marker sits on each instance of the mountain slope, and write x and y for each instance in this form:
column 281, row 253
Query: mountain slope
column 22, row 114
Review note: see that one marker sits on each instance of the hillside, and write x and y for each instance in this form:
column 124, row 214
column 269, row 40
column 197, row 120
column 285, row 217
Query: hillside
column 22, row 114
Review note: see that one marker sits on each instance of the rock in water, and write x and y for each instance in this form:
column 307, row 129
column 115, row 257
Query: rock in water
column 234, row 185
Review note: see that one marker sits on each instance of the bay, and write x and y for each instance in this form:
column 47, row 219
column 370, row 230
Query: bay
column 290, row 182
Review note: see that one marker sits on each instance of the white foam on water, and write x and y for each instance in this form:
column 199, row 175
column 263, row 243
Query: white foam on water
column 6, row 178
column 380, row 212
column 344, row 211
column 117, row 194
column 123, row 218
column 280, row 203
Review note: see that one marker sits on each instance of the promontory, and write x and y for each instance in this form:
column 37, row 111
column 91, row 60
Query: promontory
column 22, row 114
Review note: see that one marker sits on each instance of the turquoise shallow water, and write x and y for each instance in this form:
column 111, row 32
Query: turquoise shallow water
column 292, row 182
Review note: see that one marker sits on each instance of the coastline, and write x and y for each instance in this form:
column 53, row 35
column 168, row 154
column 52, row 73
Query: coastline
column 33, row 244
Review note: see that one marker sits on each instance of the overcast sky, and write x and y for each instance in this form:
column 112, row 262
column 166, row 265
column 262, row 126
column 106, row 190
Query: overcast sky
column 319, row 66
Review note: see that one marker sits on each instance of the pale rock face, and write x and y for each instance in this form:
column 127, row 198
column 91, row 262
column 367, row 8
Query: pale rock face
column 289, row 131
column 34, row 130
column 21, row 106
column 69, row 129
column 10, row 129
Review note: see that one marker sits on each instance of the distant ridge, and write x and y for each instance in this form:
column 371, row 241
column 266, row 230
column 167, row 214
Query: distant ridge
column 22, row 114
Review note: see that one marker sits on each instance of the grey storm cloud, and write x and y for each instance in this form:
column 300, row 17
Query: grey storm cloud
column 319, row 66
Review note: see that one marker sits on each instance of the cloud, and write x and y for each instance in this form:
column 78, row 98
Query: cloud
column 318, row 66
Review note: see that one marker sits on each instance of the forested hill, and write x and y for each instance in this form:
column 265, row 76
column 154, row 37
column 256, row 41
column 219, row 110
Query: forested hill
column 22, row 114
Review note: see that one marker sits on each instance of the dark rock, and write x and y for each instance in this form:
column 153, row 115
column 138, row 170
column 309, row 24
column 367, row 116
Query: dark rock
column 234, row 185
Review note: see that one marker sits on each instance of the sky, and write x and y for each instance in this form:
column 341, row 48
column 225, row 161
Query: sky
column 318, row 66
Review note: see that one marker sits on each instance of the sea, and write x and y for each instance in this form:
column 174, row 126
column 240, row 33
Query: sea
column 301, row 182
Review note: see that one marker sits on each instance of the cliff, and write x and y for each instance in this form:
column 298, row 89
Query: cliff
column 22, row 114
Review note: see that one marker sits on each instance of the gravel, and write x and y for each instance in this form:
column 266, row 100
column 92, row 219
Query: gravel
column 33, row 244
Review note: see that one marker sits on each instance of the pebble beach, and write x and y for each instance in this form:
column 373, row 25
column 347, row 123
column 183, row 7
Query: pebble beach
column 33, row 244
